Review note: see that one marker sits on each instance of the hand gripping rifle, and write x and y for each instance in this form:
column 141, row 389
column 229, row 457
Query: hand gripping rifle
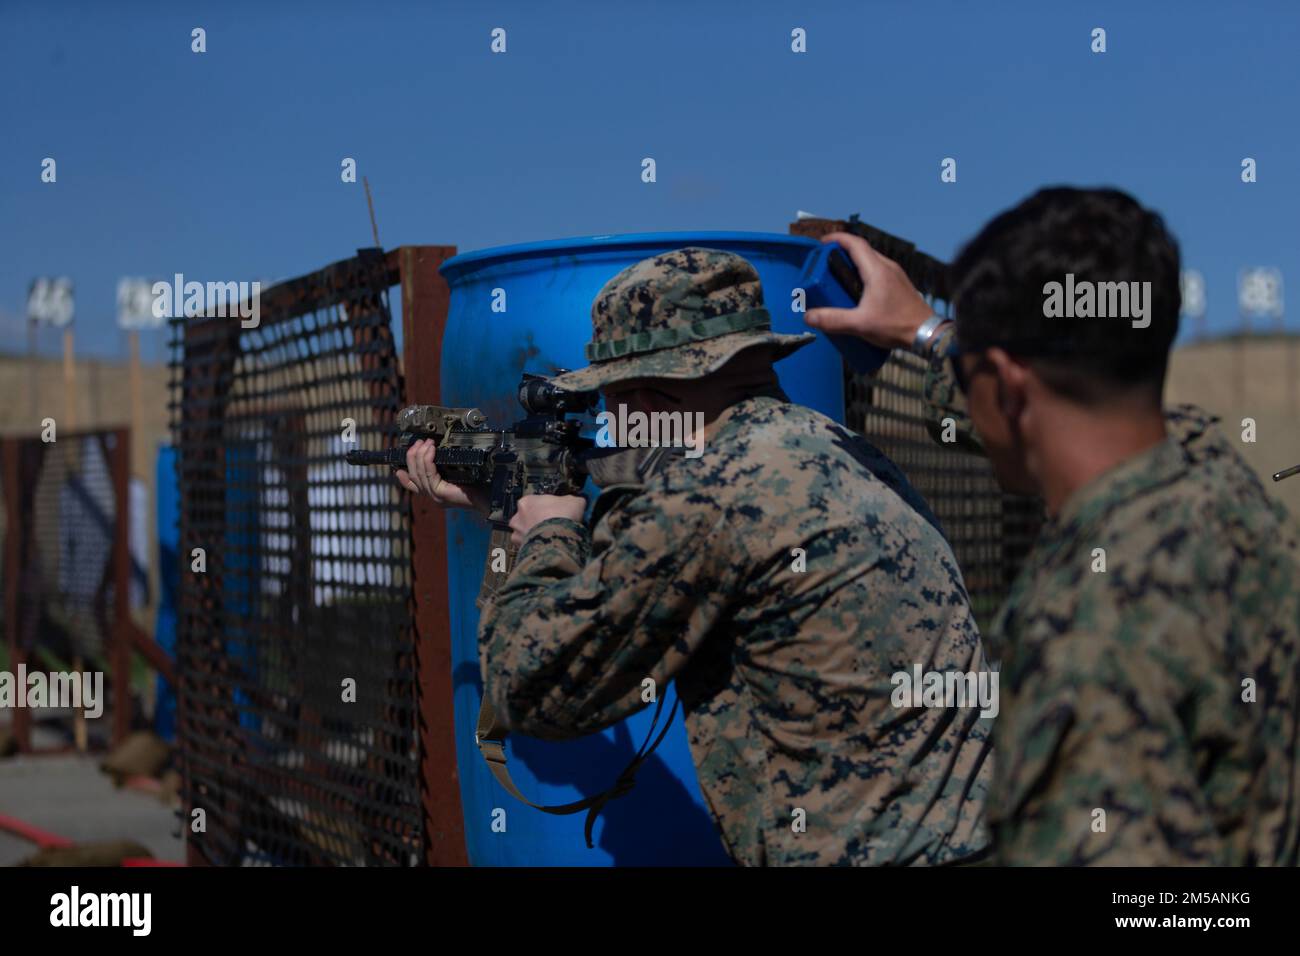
column 543, row 454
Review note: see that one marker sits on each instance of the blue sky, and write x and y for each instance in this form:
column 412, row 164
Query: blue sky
column 225, row 165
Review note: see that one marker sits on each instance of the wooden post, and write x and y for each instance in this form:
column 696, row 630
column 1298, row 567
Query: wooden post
column 69, row 422
column 133, row 348
column 33, row 377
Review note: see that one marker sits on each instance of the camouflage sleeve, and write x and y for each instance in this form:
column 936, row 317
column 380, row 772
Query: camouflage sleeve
column 947, row 419
column 1093, row 764
column 583, row 620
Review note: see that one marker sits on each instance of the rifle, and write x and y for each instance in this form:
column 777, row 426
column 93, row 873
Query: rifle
column 928, row 274
column 543, row 454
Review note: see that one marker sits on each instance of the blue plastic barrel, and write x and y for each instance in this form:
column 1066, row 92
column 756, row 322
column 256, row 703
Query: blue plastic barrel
column 167, row 518
column 548, row 289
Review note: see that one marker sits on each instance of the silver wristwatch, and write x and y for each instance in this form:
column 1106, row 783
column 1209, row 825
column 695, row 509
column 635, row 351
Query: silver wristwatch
column 924, row 340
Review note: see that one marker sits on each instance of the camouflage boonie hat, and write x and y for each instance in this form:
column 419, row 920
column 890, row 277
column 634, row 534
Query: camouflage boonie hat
column 682, row 314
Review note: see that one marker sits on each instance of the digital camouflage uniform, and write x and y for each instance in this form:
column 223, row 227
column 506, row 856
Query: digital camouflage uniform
column 784, row 674
column 1122, row 691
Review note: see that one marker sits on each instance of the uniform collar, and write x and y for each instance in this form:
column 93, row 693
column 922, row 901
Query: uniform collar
column 730, row 417
column 1190, row 440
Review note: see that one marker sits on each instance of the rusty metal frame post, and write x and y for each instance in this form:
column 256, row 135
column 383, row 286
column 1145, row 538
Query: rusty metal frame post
column 15, row 530
column 425, row 299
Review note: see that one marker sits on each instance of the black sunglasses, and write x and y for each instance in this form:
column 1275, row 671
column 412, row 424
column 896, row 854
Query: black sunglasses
column 963, row 380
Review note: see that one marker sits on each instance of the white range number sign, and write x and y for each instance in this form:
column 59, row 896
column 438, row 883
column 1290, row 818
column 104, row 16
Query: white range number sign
column 1259, row 292
column 50, row 301
column 135, row 305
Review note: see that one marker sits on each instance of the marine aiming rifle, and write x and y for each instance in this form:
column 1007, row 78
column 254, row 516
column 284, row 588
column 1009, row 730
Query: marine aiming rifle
column 543, row 454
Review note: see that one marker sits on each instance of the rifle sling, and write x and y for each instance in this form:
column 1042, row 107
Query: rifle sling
column 619, row 471
column 491, row 736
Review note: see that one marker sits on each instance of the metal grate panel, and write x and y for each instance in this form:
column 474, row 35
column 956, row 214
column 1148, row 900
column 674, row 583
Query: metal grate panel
column 307, row 583
column 64, row 538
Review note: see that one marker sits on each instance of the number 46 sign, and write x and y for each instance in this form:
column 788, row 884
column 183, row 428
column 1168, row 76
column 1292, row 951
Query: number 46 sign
column 50, row 302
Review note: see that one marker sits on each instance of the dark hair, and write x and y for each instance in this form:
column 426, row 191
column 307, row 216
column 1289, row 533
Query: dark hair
column 999, row 285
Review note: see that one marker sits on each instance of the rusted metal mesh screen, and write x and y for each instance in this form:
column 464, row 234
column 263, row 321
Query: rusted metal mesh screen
column 296, row 718
column 991, row 532
column 67, row 522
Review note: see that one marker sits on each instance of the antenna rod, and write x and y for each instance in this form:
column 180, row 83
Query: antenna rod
column 374, row 229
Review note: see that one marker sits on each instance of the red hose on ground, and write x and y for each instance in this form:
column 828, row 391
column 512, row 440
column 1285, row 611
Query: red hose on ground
column 42, row 838
column 147, row 861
